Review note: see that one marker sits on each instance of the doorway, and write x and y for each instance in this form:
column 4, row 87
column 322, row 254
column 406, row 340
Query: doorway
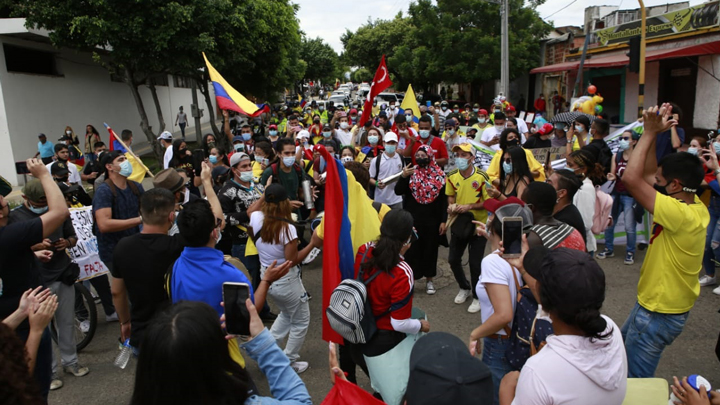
column 677, row 84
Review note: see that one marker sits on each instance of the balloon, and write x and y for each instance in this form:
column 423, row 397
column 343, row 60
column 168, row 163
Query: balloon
column 598, row 109
column 591, row 89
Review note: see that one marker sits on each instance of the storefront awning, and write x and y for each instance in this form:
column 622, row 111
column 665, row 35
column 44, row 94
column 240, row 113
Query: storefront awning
column 619, row 60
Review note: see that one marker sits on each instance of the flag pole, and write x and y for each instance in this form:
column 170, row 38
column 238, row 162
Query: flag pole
column 117, row 138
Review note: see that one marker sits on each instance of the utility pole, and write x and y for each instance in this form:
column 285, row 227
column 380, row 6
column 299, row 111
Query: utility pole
column 504, row 51
column 196, row 112
column 641, row 75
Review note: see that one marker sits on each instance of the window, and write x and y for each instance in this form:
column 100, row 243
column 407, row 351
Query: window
column 25, row 60
column 182, row 82
column 159, row 80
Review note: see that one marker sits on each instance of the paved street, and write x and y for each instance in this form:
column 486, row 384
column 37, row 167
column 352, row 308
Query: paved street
column 692, row 353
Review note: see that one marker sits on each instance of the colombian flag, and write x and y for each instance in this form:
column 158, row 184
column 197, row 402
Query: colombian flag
column 349, row 222
column 302, row 101
column 227, row 97
column 262, row 108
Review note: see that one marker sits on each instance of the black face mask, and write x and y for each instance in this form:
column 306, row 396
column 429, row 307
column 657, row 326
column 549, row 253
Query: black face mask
column 663, row 189
column 512, row 142
column 211, row 145
column 182, row 152
column 423, row 162
column 62, row 179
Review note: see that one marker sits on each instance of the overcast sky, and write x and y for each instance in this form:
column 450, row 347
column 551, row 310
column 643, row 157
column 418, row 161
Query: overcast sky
column 328, row 20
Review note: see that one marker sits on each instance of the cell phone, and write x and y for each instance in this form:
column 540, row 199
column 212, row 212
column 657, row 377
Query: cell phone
column 237, row 317
column 512, row 236
column 488, row 184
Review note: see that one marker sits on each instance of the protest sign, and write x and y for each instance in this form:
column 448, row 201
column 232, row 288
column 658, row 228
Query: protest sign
column 85, row 252
column 541, row 154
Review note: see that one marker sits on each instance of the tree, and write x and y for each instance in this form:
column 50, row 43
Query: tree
column 321, row 60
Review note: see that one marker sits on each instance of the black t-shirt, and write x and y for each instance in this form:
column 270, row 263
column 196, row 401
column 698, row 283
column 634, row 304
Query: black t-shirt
column 92, row 167
column 571, row 216
column 142, row 260
column 18, row 264
column 534, row 142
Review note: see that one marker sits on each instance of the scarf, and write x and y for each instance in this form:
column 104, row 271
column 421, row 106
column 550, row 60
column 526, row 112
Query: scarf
column 427, row 182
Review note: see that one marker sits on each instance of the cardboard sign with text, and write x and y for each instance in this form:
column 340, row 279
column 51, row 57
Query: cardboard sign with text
column 85, row 253
column 541, row 154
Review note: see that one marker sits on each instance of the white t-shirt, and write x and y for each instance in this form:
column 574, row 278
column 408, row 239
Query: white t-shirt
column 73, row 177
column 490, row 132
column 270, row 252
column 584, row 200
column 388, row 167
column 182, row 118
column 345, row 137
column 495, row 270
column 522, row 127
column 168, row 157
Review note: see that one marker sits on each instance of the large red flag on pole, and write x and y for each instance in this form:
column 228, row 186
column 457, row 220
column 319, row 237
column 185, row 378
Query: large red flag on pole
column 381, row 81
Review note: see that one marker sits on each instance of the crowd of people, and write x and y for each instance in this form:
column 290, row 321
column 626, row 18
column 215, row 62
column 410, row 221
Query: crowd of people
column 240, row 213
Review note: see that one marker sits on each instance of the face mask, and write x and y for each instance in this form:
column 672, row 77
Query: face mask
column 354, row 118
column 499, row 128
column 693, row 151
column 327, row 134
column 346, row 159
column 497, row 111
column 219, row 238
column 423, row 162
column 390, row 149
column 444, row 108
column 661, row 189
column 68, row 132
column 507, row 167
column 344, row 125
column 373, row 139
column 512, row 142
column 213, row 159
column 211, row 145
column 38, row 210
column 125, row 168
column 624, row 144
column 476, row 109
column 321, row 108
column 481, row 120
column 246, row 136
column 238, row 147
column 289, row 161
column 579, row 128
column 246, row 176
column 262, row 160
column 273, row 133
column 392, row 107
column 461, row 163
column 409, row 118
column 716, row 146
column 456, row 111
column 424, row 133
column 450, row 132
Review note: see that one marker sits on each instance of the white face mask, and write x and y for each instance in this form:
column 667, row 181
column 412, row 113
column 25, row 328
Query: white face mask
column 344, row 125
column 68, row 132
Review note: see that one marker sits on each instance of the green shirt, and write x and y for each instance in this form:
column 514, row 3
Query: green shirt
column 291, row 180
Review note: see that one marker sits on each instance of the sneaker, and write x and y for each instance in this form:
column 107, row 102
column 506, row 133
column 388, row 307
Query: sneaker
column 462, row 296
column 475, row 306
column 707, row 280
column 311, row 256
column 77, row 370
column 112, row 318
column 56, row 382
column 299, row 366
column 629, row 258
column 605, row 254
column 85, row 326
column 430, row 288
column 716, row 291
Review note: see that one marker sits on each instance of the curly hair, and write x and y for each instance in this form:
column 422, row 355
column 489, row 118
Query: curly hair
column 17, row 386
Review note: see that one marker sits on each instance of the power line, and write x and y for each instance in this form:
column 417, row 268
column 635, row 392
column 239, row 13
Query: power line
column 570, row 4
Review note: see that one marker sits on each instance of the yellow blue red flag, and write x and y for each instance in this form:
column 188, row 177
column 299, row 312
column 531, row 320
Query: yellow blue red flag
column 227, row 97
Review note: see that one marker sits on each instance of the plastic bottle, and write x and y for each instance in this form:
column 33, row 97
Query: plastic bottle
column 123, row 358
column 307, row 191
column 696, row 382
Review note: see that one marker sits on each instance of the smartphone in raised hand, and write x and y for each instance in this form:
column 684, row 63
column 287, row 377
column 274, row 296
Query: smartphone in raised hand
column 512, row 228
column 237, row 317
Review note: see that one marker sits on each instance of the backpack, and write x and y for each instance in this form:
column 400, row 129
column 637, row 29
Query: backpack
column 603, row 208
column 350, row 313
column 528, row 333
column 297, row 168
column 133, row 187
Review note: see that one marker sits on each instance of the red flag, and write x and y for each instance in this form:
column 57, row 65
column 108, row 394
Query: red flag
column 111, row 141
column 346, row 393
column 380, row 82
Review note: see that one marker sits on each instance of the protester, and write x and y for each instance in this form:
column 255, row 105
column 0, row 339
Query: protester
column 673, row 138
column 387, row 164
column 540, row 104
column 181, row 119
column 374, row 146
column 426, row 138
column 583, row 164
column 497, row 291
column 452, row 139
column 343, row 130
column 668, row 285
column 510, row 138
column 466, row 193
column 540, row 139
column 597, row 146
column 45, row 151
column 514, row 177
column 423, row 191
column 521, row 125
column 62, row 155
column 566, row 185
column 93, row 169
column 286, row 171
column 207, row 143
column 206, row 373
column 547, row 230
column 92, row 138
column 584, row 361
column 491, row 135
column 166, row 141
column 126, row 136
column 276, row 238
column 623, row 201
column 218, row 157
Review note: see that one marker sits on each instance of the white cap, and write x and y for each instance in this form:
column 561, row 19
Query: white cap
column 166, row 135
column 303, row 134
column 390, row 137
column 238, row 157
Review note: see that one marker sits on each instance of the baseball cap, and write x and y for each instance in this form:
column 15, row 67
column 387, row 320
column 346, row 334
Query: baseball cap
column 238, row 138
column 272, row 126
column 59, row 169
column 390, row 137
column 465, row 147
column 169, row 179
column 342, row 114
column 353, row 111
column 450, row 122
column 219, row 171
column 42, row 136
column 5, row 187
column 108, row 157
column 275, row 193
column 510, row 108
column 303, row 134
column 382, row 114
column 510, row 207
column 34, row 190
column 483, row 111
column 166, row 135
column 476, row 105
column 442, row 372
column 327, row 127
column 238, row 157
column 546, row 128
column 472, row 130
column 456, row 106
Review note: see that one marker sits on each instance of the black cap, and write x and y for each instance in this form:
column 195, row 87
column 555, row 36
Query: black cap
column 442, row 372
column 219, row 171
column 275, row 193
column 59, row 169
column 42, row 136
column 108, row 157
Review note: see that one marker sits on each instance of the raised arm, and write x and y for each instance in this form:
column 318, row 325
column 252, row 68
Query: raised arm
column 226, row 127
column 206, row 176
column 57, row 208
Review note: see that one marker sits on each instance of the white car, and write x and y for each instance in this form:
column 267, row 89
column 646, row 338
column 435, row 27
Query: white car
column 364, row 86
column 386, row 98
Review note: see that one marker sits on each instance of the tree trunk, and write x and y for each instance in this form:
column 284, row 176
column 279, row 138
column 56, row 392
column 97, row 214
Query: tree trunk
column 155, row 143
column 220, row 138
column 144, row 124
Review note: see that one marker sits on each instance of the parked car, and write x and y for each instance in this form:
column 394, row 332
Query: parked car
column 386, row 98
column 339, row 100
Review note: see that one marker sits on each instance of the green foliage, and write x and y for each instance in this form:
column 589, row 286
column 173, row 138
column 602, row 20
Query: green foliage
column 321, row 59
column 362, row 75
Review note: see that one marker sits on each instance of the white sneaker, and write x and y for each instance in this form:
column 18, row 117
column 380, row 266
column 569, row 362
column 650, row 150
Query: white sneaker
column 85, row 326
column 475, row 306
column 707, row 280
column 716, row 291
column 112, row 317
column 462, row 296
column 55, row 383
column 299, row 366
column 311, row 256
column 430, row 288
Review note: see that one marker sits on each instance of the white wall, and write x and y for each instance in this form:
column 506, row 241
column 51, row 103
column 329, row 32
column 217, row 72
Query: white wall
column 707, row 96
column 83, row 95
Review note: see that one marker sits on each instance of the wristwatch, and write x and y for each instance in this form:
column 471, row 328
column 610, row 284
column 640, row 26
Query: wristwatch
column 716, row 172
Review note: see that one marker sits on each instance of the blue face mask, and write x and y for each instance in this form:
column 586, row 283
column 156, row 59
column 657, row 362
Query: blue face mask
column 263, row 161
column 38, row 210
column 213, row 159
column 461, row 163
column 373, row 139
column 288, row 161
column 125, row 168
column 246, row 176
column 246, row 136
column 273, row 133
column 424, row 133
column 327, row 134
column 507, row 167
column 390, row 149
column 716, row 146
column 238, row 147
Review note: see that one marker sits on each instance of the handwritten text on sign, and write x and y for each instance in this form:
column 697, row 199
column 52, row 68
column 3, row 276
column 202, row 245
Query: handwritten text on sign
column 85, row 252
column 556, row 153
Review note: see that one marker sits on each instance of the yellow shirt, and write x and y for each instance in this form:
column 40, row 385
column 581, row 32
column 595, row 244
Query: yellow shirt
column 669, row 274
column 257, row 170
column 469, row 190
column 494, row 169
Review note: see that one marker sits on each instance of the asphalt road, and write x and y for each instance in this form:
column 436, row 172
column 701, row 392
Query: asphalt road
column 692, row 353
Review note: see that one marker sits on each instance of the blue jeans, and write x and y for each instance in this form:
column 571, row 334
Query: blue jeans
column 626, row 207
column 646, row 334
column 712, row 239
column 493, row 355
